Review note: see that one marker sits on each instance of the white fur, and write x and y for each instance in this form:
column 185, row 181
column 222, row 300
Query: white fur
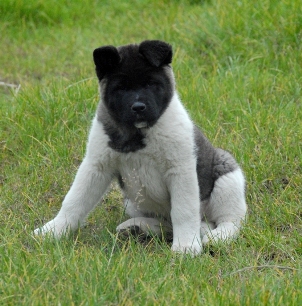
column 161, row 185
column 227, row 207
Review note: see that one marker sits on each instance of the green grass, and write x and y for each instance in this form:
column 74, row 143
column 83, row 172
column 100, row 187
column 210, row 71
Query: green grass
column 238, row 70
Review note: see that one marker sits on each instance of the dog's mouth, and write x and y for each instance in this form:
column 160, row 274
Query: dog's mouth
column 141, row 124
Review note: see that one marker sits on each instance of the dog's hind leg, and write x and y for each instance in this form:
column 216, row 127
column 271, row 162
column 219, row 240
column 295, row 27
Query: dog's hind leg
column 143, row 226
column 224, row 231
column 227, row 207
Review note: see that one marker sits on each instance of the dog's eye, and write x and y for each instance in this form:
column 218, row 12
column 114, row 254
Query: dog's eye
column 152, row 83
column 121, row 87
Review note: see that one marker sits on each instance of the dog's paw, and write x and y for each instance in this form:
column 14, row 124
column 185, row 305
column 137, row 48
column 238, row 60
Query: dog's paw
column 130, row 231
column 210, row 238
column 223, row 233
column 129, row 228
column 53, row 228
column 193, row 249
column 144, row 226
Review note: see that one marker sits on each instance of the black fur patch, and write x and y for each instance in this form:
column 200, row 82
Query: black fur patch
column 122, row 139
column 120, row 181
column 127, row 75
column 106, row 59
column 212, row 163
column 125, row 142
column 205, row 155
column 157, row 52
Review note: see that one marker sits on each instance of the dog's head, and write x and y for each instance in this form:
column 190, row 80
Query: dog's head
column 136, row 81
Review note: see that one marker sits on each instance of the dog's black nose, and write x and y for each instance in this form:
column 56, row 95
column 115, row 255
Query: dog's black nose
column 138, row 107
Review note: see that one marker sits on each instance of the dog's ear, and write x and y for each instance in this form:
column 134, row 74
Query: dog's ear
column 158, row 53
column 105, row 59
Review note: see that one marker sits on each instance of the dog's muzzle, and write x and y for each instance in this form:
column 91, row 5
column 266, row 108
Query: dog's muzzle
column 138, row 108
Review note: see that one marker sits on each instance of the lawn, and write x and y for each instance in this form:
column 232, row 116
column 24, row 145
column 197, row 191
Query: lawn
column 238, row 71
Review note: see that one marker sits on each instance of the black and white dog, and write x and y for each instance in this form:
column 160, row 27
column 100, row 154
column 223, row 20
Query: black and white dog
column 173, row 179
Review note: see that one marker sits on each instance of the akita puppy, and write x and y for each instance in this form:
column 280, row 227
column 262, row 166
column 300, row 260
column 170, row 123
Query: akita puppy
column 174, row 181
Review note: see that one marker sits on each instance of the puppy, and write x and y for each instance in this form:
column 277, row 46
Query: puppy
column 173, row 180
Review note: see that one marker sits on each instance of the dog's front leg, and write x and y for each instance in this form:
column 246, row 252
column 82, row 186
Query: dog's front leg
column 86, row 191
column 185, row 212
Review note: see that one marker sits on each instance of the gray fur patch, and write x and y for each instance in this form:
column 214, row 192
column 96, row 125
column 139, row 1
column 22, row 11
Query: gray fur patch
column 205, row 154
column 212, row 163
column 223, row 163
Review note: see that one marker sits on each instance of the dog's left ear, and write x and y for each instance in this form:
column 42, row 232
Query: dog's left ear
column 157, row 52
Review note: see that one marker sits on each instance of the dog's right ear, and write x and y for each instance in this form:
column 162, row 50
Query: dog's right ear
column 105, row 59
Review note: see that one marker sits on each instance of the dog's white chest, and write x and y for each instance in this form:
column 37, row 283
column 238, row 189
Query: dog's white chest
column 143, row 183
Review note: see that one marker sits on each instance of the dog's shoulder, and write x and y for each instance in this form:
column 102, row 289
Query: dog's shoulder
column 173, row 135
column 97, row 149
